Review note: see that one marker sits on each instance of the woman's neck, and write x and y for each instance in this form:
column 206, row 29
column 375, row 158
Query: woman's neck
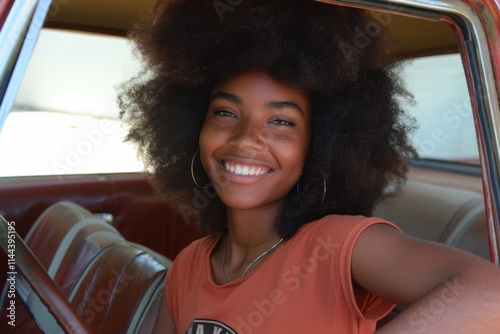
column 252, row 228
column 250, row 238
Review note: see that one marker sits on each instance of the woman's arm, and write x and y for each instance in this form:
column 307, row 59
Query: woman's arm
column 164, row 323
column 450, row 291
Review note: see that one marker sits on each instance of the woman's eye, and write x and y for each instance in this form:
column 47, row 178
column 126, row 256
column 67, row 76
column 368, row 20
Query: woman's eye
column 282, row 122
column 224, row 113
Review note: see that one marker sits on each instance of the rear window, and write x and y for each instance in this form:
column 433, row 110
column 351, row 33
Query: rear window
column 443, row 109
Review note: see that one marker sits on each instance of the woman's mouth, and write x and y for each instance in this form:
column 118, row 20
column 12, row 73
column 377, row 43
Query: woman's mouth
column 247, row 170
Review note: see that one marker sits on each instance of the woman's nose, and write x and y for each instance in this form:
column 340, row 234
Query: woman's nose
column 248, row 135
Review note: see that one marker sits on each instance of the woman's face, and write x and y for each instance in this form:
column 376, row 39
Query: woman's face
column 255, row 139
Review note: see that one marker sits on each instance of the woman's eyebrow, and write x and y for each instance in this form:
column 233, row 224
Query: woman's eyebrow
column 225, row 96
column 284, row 104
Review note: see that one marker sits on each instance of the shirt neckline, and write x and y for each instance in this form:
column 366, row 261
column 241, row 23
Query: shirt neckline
column 240, row 280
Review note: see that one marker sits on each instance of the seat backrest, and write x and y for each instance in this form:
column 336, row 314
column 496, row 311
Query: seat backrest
column 64, row 239
column 441, row 214
column 62, row 317
column 120, row 290
column 51, row 227
column 470, row 234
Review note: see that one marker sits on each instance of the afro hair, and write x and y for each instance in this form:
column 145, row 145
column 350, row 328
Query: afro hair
column 339, row 55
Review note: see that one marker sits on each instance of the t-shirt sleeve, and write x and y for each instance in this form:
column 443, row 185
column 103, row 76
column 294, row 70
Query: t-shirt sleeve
column 365, row 306
column 173, row 280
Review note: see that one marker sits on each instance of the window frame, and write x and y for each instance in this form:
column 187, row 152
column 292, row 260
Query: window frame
column 18, row 36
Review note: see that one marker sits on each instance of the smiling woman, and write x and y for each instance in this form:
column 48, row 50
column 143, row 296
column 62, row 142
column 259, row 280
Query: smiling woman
column 300, row 131
column 281, row 127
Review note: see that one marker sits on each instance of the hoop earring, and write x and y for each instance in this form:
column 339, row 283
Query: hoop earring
column 322, row 198
column 192, row 170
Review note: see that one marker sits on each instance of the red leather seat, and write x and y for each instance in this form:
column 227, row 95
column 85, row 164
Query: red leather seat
column 121, row 289
column 114, row 286
column 65, row 238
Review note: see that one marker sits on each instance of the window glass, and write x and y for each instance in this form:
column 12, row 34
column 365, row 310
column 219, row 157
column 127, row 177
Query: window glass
column 443, row 109
column 65, row 119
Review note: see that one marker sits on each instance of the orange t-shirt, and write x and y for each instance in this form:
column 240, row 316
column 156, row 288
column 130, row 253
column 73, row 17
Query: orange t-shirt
column 304, row 286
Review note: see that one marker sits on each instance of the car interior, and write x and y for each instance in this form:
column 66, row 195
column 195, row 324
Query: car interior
column 93, row 249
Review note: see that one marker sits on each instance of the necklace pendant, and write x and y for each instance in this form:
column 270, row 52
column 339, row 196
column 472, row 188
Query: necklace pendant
column 251, row 263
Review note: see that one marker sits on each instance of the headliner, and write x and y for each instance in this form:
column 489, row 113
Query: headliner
column 416, row 37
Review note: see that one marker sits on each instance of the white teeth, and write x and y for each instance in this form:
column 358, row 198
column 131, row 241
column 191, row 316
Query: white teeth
column 244, row 169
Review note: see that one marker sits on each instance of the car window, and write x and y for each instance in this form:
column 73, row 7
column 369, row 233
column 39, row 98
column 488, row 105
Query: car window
column 65, row 119
column 443, row 110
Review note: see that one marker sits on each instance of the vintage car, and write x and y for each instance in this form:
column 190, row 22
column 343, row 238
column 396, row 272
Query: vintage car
column 86, row 241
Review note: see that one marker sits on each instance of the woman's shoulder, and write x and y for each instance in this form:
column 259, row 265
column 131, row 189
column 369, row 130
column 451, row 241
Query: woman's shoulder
column 192, row 258
column 198, row 247
column 340, row 227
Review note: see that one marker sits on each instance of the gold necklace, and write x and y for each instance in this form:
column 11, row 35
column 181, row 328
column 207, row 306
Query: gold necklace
column 251, row 263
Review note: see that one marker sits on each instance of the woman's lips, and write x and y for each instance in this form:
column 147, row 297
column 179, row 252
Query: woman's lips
column 246, row 170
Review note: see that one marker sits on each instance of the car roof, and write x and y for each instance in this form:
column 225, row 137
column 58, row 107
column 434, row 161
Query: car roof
column 417, row 38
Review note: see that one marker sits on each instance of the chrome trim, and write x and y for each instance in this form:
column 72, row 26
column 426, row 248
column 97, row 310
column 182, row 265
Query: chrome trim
column 105, row 217
column 17, row 38
column 486, row 110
